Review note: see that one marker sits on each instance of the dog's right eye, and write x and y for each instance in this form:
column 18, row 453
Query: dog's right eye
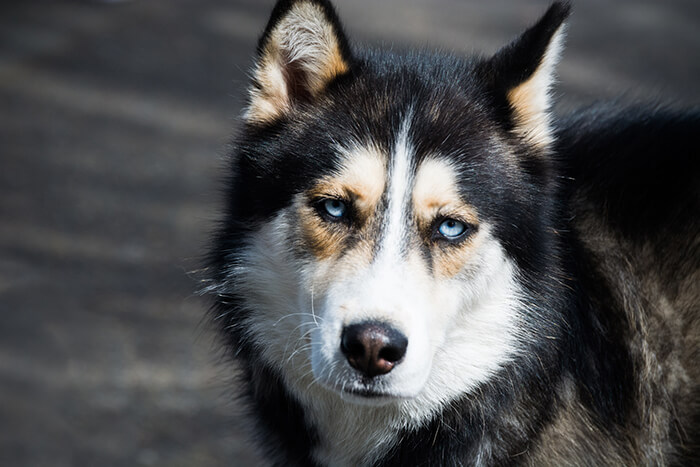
column 333, row 209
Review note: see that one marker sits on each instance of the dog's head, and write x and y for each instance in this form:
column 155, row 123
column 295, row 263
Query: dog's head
column 389, row 213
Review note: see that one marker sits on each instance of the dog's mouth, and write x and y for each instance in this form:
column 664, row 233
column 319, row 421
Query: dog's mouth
column 363, row 391
column 366, row 393
column 363, row 387
column 367, row 396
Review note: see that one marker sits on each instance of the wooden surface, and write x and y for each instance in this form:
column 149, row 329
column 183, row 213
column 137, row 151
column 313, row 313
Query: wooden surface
column 113, row 121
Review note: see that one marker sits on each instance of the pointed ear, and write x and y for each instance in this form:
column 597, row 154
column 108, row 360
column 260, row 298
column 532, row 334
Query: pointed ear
column 520, row 75
column 302, row 49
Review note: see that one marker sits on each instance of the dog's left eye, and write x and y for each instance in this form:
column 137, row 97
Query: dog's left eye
column 334, row 208
column 452, row 229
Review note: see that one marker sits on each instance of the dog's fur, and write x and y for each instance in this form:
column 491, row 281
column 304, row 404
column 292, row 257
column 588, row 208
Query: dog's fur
column 543, row 274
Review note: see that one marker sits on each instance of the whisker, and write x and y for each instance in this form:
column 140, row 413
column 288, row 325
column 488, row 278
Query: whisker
column 300, row 338
column 289, row 315
column 313, row 313
column 300, row 349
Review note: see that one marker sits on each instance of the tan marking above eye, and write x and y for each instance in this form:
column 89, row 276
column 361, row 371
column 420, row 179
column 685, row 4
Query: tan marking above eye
column 435, row 195
column 360, row 183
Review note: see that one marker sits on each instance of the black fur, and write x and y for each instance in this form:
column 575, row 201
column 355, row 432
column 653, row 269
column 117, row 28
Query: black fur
column 518, row 61
column 635, row 172
column 639, row 166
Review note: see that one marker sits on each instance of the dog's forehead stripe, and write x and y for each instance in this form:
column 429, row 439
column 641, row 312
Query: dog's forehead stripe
column 398, row 194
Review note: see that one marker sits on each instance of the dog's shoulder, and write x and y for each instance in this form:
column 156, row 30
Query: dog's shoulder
column 631, row 181
column 639, row 167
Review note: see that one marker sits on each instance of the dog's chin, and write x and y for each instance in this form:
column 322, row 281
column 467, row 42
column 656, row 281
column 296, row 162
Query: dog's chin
column 368, row 398
column 366, row 393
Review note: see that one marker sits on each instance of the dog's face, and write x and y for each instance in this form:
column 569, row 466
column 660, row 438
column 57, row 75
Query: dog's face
column 395, row 262
column 386, row 210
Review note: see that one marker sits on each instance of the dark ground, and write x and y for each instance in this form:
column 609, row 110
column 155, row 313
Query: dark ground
column 113, row 120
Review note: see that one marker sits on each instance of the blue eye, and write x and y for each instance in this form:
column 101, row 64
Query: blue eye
column 334, row 208
column 451, row 229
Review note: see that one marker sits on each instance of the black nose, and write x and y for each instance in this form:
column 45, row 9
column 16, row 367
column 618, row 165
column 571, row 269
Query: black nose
column 373, row 348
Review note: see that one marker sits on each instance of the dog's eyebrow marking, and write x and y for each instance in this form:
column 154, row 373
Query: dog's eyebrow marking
column 360, row 179
column 398, row 194
column 435, row 194
column 363, row 175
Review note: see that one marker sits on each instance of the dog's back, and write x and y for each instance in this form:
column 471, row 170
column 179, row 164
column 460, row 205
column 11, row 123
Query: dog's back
column 634, row 179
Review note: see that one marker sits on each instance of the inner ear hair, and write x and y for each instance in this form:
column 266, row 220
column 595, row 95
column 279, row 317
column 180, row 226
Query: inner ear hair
column 522, row 73
column 301, row 51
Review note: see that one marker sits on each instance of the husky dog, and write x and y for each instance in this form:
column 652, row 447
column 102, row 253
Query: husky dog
column 419, row 266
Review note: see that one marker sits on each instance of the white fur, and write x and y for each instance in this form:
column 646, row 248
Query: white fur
column 476, row 315
column 400, row 181
column 393, row 289
column 460, row 330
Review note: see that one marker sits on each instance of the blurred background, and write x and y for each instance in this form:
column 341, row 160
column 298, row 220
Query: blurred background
column 114, row 118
